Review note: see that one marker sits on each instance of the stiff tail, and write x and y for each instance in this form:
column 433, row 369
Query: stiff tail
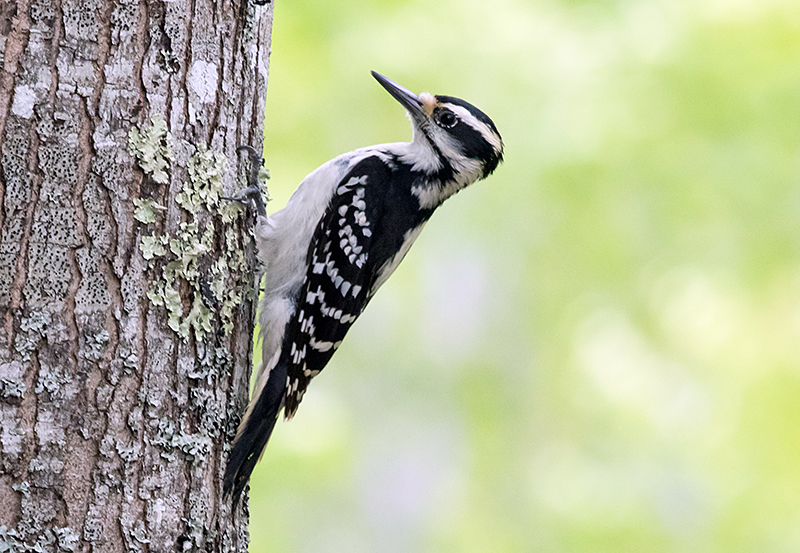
column 254, row 432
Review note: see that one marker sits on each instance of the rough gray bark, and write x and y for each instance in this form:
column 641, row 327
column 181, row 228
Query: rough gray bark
column 126, row 285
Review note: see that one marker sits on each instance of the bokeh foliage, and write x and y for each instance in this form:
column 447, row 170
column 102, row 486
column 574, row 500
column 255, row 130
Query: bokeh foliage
column 597, row 349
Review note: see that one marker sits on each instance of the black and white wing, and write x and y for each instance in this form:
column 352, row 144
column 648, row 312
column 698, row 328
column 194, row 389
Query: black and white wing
column 337, row 284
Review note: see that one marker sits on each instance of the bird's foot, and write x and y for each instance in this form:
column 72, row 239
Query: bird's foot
column 250, row 196
column 253, row 194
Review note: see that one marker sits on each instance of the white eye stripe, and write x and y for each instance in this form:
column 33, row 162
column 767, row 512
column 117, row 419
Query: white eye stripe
column 486, row 131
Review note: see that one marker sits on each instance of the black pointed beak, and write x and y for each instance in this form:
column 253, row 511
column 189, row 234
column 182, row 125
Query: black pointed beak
column 408, row 99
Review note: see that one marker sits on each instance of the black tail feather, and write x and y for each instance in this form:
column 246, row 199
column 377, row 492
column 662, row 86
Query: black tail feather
column 256, row 430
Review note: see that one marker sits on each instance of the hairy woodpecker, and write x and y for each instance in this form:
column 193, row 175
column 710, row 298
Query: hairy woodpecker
column 343, row 232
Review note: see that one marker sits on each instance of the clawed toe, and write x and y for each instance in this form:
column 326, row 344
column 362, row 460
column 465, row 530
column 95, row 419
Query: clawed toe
column 252, row 195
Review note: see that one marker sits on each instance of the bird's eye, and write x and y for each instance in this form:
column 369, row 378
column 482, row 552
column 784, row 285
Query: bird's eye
column 448, row 119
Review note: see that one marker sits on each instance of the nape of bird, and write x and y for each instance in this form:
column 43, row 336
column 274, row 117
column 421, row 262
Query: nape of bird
column 343, row 232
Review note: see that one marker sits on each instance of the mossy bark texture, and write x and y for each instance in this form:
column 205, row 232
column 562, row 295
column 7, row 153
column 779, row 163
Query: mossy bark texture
column 126, row 283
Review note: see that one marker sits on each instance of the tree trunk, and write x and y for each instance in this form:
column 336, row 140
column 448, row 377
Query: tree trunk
column 126, row 284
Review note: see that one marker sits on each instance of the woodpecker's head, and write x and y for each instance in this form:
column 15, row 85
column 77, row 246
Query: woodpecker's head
column 460, row 138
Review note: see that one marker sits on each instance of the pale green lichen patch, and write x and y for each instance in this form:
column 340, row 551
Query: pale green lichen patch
column 191, row 258
column 153, row 247
column 145, row 211
column 162, row 294
column 152, row 148
column 198, row 319
column 188, row 246
column 218, row 274
column 185, row 251
column 206, row 169
column 230, row 211
column 263, row 175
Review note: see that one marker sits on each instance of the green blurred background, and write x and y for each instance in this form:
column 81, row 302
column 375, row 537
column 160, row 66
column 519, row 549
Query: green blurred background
column 598, row 348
